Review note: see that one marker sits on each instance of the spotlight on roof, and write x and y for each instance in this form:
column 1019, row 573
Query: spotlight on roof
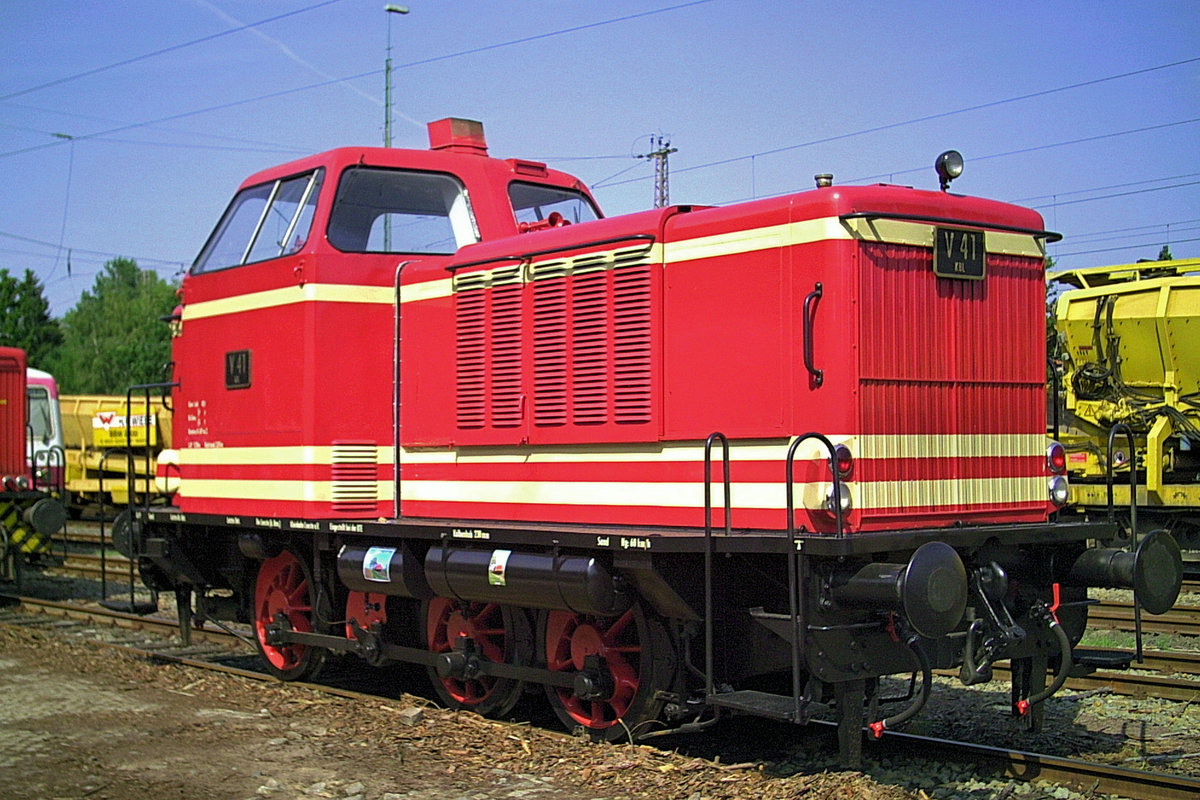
column 949, row 165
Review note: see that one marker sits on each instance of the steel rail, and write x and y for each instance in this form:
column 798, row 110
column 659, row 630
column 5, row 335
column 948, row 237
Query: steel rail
column 1182, row 620
column 1128, row 684
column 1086, row 776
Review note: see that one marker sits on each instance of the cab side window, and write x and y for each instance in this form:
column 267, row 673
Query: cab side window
column 400, row 211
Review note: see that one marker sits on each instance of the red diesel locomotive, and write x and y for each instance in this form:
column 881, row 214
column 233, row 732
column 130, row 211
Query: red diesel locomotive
column 432, row 407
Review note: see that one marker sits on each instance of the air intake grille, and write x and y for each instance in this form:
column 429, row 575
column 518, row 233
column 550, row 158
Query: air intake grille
column 489, row 309
column 588, row 322
column 354, row 477
column 941, row 373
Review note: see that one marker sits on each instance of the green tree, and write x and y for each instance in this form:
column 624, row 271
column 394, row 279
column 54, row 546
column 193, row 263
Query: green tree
column 25, row 320
column 114, row 337
column 1165, row 253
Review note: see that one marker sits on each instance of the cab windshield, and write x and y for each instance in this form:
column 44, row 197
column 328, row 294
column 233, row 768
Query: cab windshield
column 40, row 417
column 263, row 222
column 534, row 202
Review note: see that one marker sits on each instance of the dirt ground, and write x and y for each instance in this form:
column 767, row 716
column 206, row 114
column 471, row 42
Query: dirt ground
column 81, row 721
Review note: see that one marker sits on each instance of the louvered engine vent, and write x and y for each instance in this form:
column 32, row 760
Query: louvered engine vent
column 355, row 480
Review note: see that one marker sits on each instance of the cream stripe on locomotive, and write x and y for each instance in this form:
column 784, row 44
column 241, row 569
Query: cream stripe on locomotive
column 308, row 293
column 725, row 244
column 866, row 495
column 271, row 456
column 862, row 447
column 277, row 490
column 764, row 496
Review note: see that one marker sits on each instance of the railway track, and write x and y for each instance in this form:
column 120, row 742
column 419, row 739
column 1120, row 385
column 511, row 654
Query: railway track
column 1163, row 682
column 1086, row 776
column 93, row 565
column 1112, row 615
column 156, row 637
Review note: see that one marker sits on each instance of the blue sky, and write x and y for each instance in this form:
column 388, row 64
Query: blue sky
column 1087, row 111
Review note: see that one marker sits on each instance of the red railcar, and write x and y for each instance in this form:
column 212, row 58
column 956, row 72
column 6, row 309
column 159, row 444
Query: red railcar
column 12, row 423
column 30, row 508
column 437, row 397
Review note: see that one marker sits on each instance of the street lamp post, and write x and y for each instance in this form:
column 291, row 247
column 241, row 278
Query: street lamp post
column 387, row 93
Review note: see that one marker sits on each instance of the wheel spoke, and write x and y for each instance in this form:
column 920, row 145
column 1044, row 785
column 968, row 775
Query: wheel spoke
column 613, row 635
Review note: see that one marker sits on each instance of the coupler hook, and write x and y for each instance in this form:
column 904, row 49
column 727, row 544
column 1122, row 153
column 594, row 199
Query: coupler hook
column 1045, row 613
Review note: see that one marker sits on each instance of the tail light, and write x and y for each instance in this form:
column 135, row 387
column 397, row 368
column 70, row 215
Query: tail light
column 16, row 483
column 845, row 461
column 1056, row 458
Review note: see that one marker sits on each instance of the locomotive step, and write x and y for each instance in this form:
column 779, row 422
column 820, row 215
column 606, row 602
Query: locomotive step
column 1088, row 661
column 761, row 704
column 778, row 624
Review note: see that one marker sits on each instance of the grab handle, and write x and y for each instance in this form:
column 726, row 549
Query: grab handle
column 817, row 375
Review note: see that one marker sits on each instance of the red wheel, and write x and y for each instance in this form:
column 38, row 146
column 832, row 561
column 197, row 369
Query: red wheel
column 633, row 651
column 285, row 586
column 499, row 634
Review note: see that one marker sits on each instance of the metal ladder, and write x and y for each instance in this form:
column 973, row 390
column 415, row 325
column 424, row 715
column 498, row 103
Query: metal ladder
column 796, row 707
column 136, row 515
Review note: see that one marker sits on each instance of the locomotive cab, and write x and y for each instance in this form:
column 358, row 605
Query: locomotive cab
column 291, row 302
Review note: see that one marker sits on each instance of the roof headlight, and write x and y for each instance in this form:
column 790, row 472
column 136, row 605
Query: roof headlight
column 949, row 165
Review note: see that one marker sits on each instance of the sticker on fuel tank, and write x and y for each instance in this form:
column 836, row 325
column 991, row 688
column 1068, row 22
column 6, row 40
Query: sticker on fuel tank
column 497, row 567
column 377, row 564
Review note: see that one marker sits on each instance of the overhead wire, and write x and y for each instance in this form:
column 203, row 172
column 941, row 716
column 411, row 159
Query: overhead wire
column 367, row 74
column 1176, row 225
column 1123, row 247
column 930, row 118
column 891, row 175
column 164, row 50
column 1037, row 148
column 1118, row 194
column 87, row 252
column 62, row 234
column 263, row 146
column 1103, row 188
